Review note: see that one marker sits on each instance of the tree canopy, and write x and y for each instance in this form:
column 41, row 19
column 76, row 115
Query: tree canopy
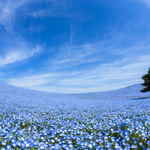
column 146, row 83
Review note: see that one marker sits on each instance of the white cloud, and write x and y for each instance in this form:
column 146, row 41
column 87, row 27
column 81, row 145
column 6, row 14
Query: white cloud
column 30, row 81
column 74, row 55
column 102, row 78
column 14, row 55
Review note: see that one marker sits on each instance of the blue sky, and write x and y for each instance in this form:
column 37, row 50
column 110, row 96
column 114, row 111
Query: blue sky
column 74, row 46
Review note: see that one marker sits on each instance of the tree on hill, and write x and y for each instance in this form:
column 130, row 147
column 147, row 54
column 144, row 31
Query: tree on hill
column 146, row 83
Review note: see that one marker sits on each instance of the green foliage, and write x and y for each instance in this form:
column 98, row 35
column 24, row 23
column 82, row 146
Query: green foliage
column 146, row 83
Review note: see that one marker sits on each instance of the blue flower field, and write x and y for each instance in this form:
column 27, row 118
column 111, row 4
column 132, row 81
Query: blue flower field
column 35, row 120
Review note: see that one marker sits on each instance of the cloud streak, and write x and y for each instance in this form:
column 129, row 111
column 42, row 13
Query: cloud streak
column 100, row 78
column 14, row 55
column 147, row 2
column 15, row 46
column 8, row 10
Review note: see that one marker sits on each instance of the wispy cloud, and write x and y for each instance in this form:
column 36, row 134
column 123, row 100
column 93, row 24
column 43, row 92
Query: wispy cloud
column 57, row 8
column 107, row 50
column 37, row 80
column 8, row 10
column 73, row 55
column 15, row 47
column 147, row 2
column 63, row 8
column 102, row 60
column 100, row 78
column 71, row 35
column 14, row 55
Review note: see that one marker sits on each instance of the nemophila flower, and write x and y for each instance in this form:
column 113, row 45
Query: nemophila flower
column 23, row 145
column 43, row 139
column 21, row 138
column 18, row 143
column 52, row 141
column 144, row 147
column 8, row 147
column 101, row 141
column 148, row 142
column 14, row 144
column 13, row 140
column 105, row 138
column 134, row 146
column 35, row 143
column 31, row 140
column 141, row 144
column 41, row 147
column 108, row 145
column 127, row 138
column 90, row 145
column 27, row 145
column 98, row 147
column 3, row 142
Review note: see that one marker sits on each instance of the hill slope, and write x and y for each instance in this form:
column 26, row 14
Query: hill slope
column 130, row 92
column 16, row 93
